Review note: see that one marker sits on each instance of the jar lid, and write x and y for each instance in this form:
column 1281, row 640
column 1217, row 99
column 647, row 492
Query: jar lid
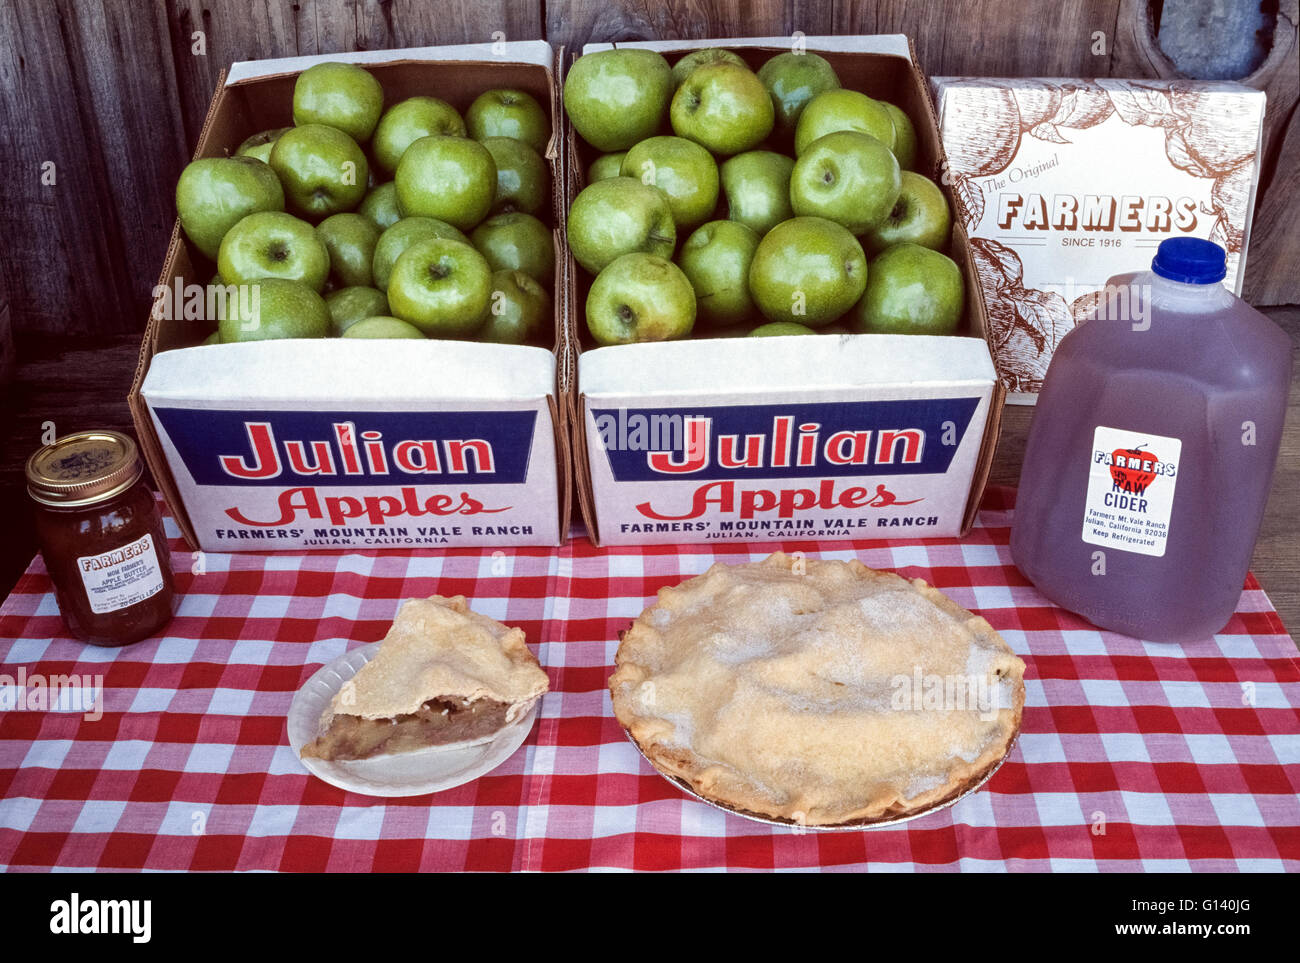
column 83, row 468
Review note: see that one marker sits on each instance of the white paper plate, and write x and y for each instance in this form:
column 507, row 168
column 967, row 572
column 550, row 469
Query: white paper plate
column 400, row 774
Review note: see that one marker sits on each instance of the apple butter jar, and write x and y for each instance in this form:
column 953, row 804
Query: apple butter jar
column 102, row 537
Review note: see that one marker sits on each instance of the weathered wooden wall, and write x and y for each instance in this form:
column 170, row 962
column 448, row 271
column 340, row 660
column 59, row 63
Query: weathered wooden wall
column 101, row 102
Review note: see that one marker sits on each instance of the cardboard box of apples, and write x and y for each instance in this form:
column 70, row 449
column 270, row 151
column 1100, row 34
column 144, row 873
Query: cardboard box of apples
column 723, row 191
column 355, row 339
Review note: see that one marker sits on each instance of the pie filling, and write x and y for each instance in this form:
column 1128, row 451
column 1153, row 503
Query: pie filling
column 438, row 722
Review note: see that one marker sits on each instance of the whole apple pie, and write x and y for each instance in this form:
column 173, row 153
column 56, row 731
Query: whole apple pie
column 443, row 674
column 819, row 693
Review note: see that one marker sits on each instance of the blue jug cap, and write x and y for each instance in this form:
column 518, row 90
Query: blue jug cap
column 1191, row 260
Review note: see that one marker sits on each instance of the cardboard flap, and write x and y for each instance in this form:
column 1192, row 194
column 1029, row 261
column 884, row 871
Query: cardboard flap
column 307, row 372
column 891, row 45
column 731, row 365
column 537, row 52
column 746, row 392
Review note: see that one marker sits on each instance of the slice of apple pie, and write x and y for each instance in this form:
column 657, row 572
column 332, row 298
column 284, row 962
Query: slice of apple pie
column 442, row 675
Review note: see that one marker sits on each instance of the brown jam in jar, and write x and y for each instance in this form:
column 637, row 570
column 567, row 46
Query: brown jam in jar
column 101, row 537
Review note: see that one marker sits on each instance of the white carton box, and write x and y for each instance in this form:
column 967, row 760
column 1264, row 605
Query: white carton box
column 1063, row 184
column 849, row 437
column 454, row 445
column 349, row 443
column 836, row 436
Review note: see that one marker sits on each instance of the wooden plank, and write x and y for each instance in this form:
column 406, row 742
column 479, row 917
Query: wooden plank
column 993, row 38
column 233, row 30
column 1270, row 275
column 69, row 383
column 93, row 136
column 572, row 23
column 8, row 359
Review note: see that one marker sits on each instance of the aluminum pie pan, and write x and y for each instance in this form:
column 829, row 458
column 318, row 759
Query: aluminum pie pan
column 856, row 825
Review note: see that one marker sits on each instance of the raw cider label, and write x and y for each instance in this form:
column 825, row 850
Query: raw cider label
column 121, row 578
column 1131, row 481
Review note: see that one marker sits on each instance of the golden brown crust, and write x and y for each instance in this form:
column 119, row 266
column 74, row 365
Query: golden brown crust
column 439, row 649
column 762, row 688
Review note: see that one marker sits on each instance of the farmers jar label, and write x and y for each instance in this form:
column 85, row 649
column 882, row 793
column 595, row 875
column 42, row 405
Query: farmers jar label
column 122, row 577
column 1130, row 490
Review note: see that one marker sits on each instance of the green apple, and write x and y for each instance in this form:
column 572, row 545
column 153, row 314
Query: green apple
column 383, row 326
column 343, row 96
column 441, row 286
column 517, row 242
column 716, row 260
column 792, row 79
column 214, row 193
column 276, row 308
column 259, row 145
column 683, row 170
column 780, row 329
column 723, row 107
column 698, row 58
column 347, row 306
column 273, row 244
column 911, row 290
column 756, row 185
column 407, row 121
column 520, row 310
column 322, row 169
column 606, row 165
column 834, row 110
column 380, row 205
column 617, row 97
column 350, row 239
column 640, row 297
column 847, row 177
column 402, row 235
column 904, row 136
column 617, row 216
column 523, row 180
column 808, row 270
column 451, row 178
column 509, row 113
column 920, row 216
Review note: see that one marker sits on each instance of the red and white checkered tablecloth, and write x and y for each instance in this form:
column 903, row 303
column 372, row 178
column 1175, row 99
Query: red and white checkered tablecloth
column 1132, row 756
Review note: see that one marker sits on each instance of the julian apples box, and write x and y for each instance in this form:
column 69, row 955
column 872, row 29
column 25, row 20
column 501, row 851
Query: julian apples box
column 839, row 435
column 341, row 443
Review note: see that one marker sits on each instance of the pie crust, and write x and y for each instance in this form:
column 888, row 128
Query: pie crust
column 443, row 674
column 819, row 693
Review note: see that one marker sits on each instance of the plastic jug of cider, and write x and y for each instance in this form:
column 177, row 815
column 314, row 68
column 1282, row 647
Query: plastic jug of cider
column 1152, row 449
